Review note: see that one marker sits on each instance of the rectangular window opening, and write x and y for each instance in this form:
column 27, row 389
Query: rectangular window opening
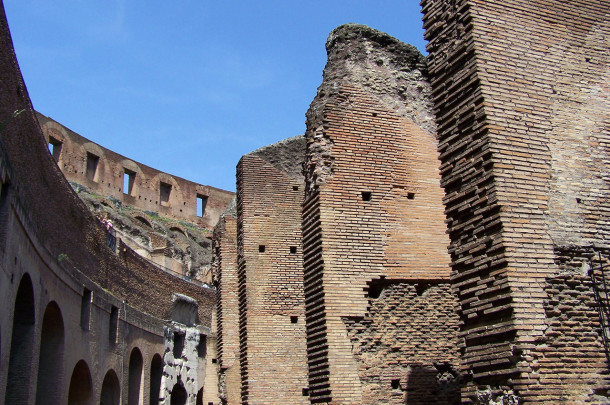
column 293, row 249
column 395, row 384
column 92, row 163
column 261, row 248
column 114, row 324
column 178, row 344
column 85, row 309
column 55, row 148
column 410, row 196
column 214, row 361
column 129, row 178
column 164, row 192
column 202, row 346
column 202, row 202
column 295, row 188
column 294, row 319
column 366, row 196
column 305, row 392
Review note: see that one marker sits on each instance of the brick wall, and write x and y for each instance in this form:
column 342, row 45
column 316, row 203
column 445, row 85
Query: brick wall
column 520, row 91
column 351, row 239
column 373, row 227
column 270, row 271
column 72, row 156
column 224, row 268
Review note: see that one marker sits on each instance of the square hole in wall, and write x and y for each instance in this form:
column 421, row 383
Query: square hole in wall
column 261, row 248
column 114, row 324
column 410, row 196
column 295, row 188
column 165, row 191
column 367, row 195
column 85, row 309
column 293, row 249
column 129, row 178
column 214, row 361
column 395, row 384
column 305, row 392
column 92, row 164
column 178, row 344
column 202, row 202
column 55, row 146
column 202, row 346
column 294, row 319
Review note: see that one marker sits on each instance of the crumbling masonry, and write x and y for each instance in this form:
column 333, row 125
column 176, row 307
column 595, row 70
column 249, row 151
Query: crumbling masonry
column 437, row 236
column 511, row 313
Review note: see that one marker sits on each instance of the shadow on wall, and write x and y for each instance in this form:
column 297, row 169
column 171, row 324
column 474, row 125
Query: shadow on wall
column 421, row 378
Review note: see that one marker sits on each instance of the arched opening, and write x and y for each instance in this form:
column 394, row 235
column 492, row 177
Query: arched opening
column 135, row 377
column 111, row 390
column 199, row 397
column 50, row 364
column 79, row 392
column 156, row 371
column 178, row 394
column 22, row 342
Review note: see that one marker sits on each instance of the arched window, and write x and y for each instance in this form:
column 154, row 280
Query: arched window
column 80, row 385
column 50, row 363
column 22, row 342
column 178, row 394
column 135, row 377
column 111, row 390
column 156, row 371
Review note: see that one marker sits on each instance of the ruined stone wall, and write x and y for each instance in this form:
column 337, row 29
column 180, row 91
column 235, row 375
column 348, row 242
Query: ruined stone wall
column 521, row 97
column 272, row 322
column 373, row 226
column 224, row 269
column 151, row 190
column 81, row 321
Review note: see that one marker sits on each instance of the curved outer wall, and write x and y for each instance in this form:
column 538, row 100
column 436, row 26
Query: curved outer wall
column 74, row 155
column 109, row 303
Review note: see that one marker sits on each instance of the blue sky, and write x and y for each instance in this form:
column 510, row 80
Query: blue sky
column 187, row 86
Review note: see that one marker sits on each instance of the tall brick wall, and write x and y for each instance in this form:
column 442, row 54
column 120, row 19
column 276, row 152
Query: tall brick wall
column 521, row 97
column 270, row 275
column 372, row 218
column 72, row 152
column 224, row 269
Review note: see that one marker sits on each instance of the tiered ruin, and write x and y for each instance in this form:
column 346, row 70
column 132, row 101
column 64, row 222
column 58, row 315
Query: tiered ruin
column 333, row 280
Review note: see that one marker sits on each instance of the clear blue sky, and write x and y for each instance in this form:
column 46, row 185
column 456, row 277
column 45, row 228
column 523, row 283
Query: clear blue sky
column 186, row 86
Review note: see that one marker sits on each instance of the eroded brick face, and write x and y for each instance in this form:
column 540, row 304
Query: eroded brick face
column 406, row 347
column 520, row 92
column 374, row 217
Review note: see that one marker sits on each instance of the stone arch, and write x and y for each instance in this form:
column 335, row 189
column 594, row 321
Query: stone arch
column 111, row 389
column 156, row 372
column 179, row 394
column 174, row 226
column 22, row 344
column 143, row 219
column 136, row 364
column 80, row 389
column 50, row 363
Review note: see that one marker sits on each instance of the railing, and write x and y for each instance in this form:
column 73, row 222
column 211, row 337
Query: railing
column 599, row 278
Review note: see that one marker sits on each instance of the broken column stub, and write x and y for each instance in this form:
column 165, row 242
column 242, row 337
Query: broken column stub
column 373, row 215
column 389, row 70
